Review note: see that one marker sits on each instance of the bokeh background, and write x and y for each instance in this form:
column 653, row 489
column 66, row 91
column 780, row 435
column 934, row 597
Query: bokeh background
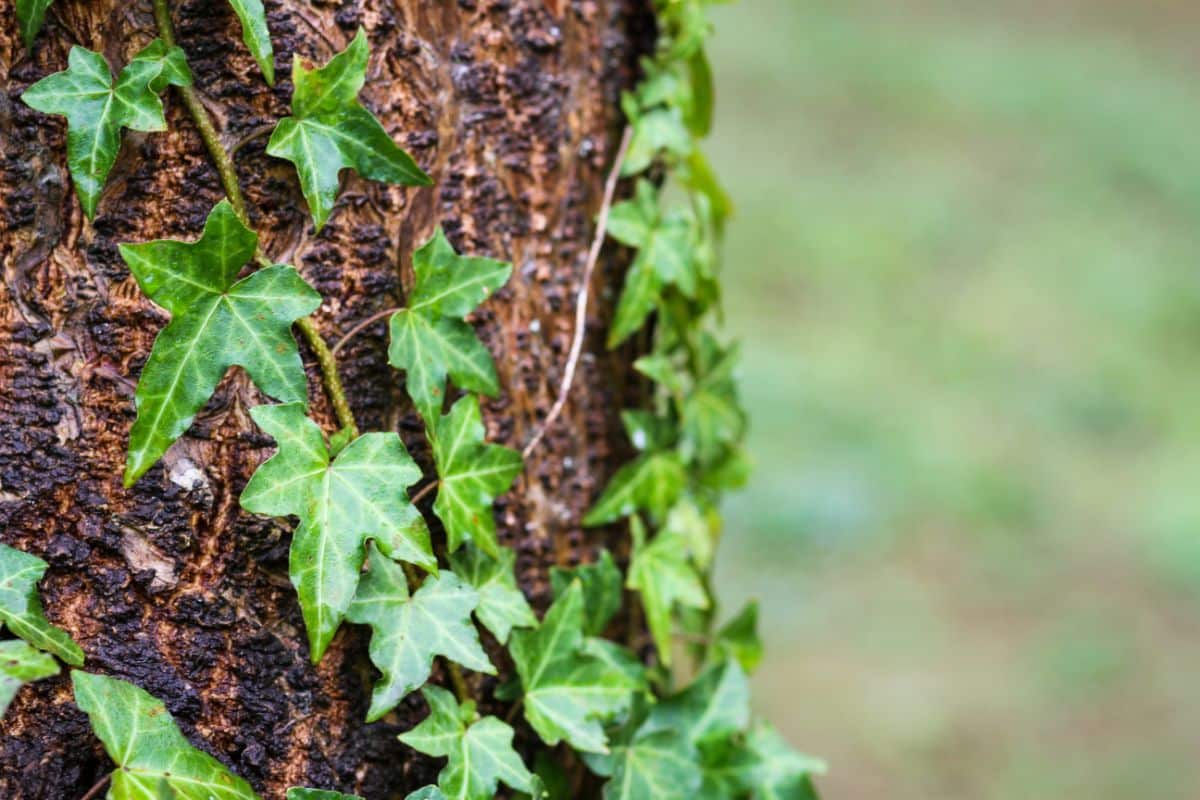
column 966, row 271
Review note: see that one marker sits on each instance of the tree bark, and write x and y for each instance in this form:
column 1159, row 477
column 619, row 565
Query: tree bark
column 512, row 108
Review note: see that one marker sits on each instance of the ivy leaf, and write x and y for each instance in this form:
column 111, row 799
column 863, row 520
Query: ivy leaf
column 430, row 339
column 141, row 736
column 655, row 131
column 779, row 772
column 664, row 257
column 712, row 417
column 217, row 322
column 502, row 606
column 471, row 474
column 716, row 704
column 426, row 793
column 20, row 664
column 408, row 632
column 30, row 16
column 480, row 752
column 601, row 583
column 660, row 765
column 255, row 34
column 738, row 638
column 330, row 131
column 569, row 692
column 97, row 109
column 297, row 793
column 664, row 575
column 361, row 495
column 698, row 530
column 652, row 482
column 21, row 607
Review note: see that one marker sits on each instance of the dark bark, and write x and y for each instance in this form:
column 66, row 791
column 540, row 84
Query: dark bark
column 511, row 106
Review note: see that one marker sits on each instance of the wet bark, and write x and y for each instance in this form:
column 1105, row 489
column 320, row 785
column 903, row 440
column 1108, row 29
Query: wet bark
column 512, row 107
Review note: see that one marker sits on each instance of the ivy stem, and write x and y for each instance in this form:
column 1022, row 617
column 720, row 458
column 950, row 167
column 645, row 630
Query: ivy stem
column 97, row 787
column 460, row 683
column 228, row 173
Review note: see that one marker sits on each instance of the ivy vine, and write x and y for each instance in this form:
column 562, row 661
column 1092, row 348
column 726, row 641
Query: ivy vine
column 360, row 538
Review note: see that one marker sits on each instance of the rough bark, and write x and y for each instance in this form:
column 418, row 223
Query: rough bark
column 511, row 106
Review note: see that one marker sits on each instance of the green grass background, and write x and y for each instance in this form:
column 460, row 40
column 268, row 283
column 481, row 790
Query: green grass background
column 966, row 270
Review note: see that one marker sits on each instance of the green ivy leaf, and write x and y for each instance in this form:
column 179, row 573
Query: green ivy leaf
column 661, row 571
column 715, row 705
column 330, row 131
column 21, row 607
column 361, row 495
column 664, row 245
column 502, row 606
column 141, row 736
column 216, row 322
column 427, row 793
column 20, row 664
column 655, row 131
column 430, row 339
column 408, row 632
column 698, row 530
column 297, row 793
column 778, row 771
column 471, row 473
column 712, row 417
column 652, row 483
column 601, row 583
column 480, row 752
column 569, row 691
column 660, row 766
column 738, row 638
column 255, row 34
column 97, row 109
column 30, row 16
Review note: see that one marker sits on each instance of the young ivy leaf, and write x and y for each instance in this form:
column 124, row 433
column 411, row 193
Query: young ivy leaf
column 97, row 109
column 430, row 339
column 664, row 257
column 298, row 793
column 652, row 482
column 154, row 760
column 570, row 689
column 330, row 131
column 21, row 607
column 601, row 583
column 712, row 417
column 253, row 17
column 738, row 638
column 30, row 16
column 217, row 322
column 408, row 632
column 471, row 473
column 361, row 495
column 502, row 606
column 480, row 752
column 20, row 664
column 661, row 571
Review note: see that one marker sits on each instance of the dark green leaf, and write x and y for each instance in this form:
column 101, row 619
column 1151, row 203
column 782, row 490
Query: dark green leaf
column 30, row 15
column 430, row 339
column 217, row 322
column 656, row 131
column 330, row 131
column 408, row 632
column 601, row 583
column 502, row 606
column 480, row 752
column 664, row 575
column 738, row 638
column 360, row 496
column 141, row 736
column 471, row 473
column 254, row 32
column 21, row 607
column 296, row 793
column 652, row 482
column 97, row 109
column 715, row 705
column 20, row 664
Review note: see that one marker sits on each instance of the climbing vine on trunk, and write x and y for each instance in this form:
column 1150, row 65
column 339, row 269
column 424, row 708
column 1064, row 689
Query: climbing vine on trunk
column 362, row 551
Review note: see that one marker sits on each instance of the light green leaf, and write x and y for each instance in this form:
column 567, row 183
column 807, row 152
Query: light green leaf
column 738, row 638
column 30, row 16
column 569, row 692
column 698, row 530
column 20, row 664
column 141, row 736
column 427, row 793
column 360, row 496
column 780, row 772
column 660, row 766
column 408, row 632
column 711, row 414
column 715, row 705
column 601, row 583
column 330, row 131
column 471, row 474
column 656, row 131
column 480, row 752
column 297, row 793
column 430, row 339
column 21, row 607
column 97, row 109
column 665, row 577
column 217, row 322
column 652, row 482
column 502, row 606
column 256, row 35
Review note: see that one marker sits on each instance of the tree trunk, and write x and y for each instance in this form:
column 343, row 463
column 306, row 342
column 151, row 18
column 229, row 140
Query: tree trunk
column 512, row 108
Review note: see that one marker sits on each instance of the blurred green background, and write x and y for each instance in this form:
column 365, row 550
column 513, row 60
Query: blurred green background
column 966, row 271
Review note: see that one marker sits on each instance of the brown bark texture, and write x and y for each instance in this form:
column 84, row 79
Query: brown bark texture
column 512, row 108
